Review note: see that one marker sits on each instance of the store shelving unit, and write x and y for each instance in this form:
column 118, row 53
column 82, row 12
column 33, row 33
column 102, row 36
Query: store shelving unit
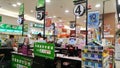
column 94, row 56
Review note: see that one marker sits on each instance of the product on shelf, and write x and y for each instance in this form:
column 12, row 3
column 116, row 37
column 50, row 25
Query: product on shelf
column 95, row 56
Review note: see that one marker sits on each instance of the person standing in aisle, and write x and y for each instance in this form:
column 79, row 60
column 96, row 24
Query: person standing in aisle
column 10, row 42
column 40, row 38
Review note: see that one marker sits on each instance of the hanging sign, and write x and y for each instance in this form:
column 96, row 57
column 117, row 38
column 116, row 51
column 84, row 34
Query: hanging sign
column 93, row 19
column 21, row 14
column 21, row 9
column 40, row 14
column 40, row 3
column 40, row 9
column 48, row 22
column 72, row 24
column 79, row 10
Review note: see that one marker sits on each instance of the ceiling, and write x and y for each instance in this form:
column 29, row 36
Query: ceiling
column 57, row 8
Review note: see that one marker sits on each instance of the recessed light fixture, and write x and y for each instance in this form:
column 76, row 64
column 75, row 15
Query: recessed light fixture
column 67, row 11
column 54, row 16
column 48, row 1
column 78, row 17
column 60, row 20
column 14, row 5
column 18, row 3
column 97, row 5
column 31, row 11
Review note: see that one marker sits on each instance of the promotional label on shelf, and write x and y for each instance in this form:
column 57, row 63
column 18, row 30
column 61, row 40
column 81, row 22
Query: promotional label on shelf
column 45, row 50
column 93, row 19
column 21, row 61
column 79, row 10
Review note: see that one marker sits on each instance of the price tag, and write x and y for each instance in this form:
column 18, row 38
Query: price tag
column 79, row 10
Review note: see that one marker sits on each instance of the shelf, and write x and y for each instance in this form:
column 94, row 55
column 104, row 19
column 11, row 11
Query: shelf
column 95, row 60
column 67, row 57
column 88, row 66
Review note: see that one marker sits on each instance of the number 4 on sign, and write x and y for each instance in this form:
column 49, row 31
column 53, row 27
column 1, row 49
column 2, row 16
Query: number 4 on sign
column 79, row 10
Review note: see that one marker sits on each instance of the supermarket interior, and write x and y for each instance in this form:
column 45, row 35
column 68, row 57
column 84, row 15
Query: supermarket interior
column 59, row 34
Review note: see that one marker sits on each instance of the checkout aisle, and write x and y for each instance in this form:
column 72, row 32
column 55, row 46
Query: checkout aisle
column 56, row 43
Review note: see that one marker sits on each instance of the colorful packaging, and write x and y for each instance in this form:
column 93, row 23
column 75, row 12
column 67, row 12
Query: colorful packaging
column 96, row 64
column 93, row 64
column 92, row 56
column 99, row 65
column 86, row 63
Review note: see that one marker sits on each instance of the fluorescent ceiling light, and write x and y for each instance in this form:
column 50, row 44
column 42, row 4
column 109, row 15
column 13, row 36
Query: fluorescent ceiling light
column 67, row 11
column 118, row 2
column 60, row 20
column 15, row 15
column 119, row 14
column 18, row 3
column 14, row 5
column 31, row 11
column 54, row 16
column 78, row 17
column 48, row 1
column 97, row 5
column 27, row 17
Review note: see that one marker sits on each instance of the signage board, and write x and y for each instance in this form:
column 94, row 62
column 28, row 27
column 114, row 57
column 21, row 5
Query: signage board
column 40, row 10
column 45, row 50
column 21, row 9
column 79, row 10
column 37, row 25
column 93, row 19
column 40, row 3
column 21, row 61
column 10, row 28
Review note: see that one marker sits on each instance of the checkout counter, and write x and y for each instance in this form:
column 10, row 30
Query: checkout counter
column 20, row 60
column 61, row 60
column 66, row 61
column 5, row 57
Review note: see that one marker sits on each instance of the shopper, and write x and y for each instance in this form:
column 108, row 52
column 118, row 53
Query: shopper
column 10, row 42
column 40, row 38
